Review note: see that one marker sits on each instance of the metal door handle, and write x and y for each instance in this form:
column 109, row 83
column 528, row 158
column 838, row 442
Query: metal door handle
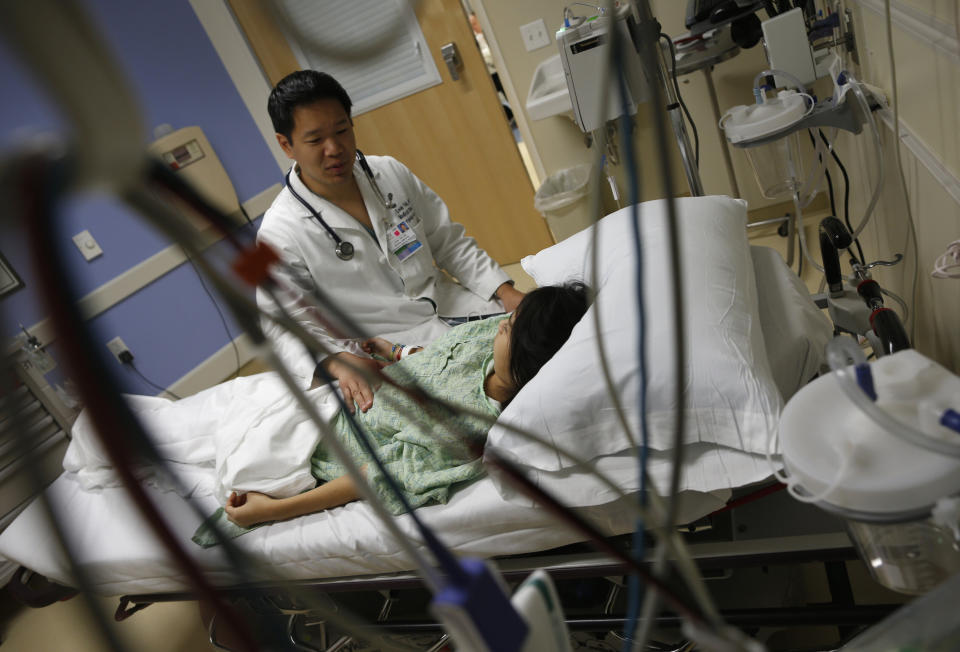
column 452, row 58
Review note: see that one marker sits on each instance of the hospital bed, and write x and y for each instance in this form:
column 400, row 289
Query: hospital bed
column 754, row 335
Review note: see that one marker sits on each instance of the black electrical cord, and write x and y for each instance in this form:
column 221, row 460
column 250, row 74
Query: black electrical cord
column 246, row 216
column 124, row 439
column 147, row 380
column 223, row 320
column 161, row 174
column 683, row 105
column 846, row 194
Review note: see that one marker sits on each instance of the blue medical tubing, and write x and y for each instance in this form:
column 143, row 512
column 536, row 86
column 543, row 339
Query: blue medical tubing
column 444, row 557
column 636, row 593
column 471, row 588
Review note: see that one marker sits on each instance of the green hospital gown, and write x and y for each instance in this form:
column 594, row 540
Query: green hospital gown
column 421, row 446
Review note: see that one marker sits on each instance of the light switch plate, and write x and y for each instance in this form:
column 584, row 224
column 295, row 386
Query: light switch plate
column 535, row 35
column 87, row 245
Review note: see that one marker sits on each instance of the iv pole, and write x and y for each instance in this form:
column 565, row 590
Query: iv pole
column 646, row 34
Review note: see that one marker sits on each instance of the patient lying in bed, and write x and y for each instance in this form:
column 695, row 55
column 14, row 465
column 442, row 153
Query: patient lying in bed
column 479, row 365
column 253, row 442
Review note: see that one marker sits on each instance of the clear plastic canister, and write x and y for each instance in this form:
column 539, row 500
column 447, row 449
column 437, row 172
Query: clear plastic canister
column 777, row 166
column 901, row 500
column 911, row 557
column 763, row 130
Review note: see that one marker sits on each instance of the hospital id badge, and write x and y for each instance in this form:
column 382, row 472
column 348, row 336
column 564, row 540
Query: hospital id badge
column 402, row 241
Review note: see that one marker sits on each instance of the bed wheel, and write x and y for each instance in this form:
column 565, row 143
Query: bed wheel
column 34, row 590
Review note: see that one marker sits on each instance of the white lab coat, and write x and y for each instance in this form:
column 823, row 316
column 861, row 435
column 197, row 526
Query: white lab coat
column 400, row 300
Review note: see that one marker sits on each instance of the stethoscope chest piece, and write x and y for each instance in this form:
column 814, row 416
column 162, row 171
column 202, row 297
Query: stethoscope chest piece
column 344, row 250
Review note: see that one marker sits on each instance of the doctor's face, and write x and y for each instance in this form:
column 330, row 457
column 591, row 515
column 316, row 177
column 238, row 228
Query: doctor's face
column 323, row 144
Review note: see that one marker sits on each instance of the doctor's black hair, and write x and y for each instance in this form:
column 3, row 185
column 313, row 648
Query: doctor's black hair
column 300, row 88
column 543, row 322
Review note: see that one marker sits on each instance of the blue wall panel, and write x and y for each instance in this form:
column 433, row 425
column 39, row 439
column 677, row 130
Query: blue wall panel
column 170, row 325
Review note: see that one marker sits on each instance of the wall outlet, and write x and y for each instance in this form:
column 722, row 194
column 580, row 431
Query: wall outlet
column 535, row 35
column 117, row 347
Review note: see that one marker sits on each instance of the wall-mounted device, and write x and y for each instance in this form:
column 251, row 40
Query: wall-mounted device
column 188, row 152
column 633, row 33
column 582, row 56
column 788, row 47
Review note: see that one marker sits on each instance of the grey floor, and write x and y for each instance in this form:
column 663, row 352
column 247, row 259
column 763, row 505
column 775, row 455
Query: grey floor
column 170, row 627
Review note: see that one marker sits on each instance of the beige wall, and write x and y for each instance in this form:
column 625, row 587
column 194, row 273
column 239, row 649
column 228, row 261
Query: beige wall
column 927, row 53
column 556, row 143
column 928, row 56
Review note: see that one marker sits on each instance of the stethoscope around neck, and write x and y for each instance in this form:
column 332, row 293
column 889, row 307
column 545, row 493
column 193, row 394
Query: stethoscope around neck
column 344, row 249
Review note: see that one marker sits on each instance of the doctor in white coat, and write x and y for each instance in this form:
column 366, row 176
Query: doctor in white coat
column 371, row 236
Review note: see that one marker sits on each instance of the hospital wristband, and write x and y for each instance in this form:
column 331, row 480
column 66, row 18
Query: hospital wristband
column 396, row 352
column 407, row 350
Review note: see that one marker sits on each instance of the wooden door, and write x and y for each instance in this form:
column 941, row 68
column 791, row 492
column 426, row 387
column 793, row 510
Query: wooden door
column 454, row 135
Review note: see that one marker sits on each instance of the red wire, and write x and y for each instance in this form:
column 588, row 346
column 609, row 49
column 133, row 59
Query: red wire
column 749, row 498
column 109, row 421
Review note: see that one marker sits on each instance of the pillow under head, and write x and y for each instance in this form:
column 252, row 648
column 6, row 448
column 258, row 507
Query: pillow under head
column 730, row 398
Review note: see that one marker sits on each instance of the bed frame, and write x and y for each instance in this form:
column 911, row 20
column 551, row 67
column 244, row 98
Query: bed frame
column 748, row 569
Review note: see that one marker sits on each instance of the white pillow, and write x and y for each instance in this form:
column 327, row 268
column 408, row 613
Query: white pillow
column 730, row 398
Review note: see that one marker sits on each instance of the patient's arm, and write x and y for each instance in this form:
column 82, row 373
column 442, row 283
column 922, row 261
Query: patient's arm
column 252, row 507
column 388, row 350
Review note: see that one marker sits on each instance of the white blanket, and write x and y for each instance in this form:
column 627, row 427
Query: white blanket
column 247, row 434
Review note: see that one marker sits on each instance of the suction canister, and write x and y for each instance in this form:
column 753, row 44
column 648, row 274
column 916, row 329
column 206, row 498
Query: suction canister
column 775, row 158
column 888, row 462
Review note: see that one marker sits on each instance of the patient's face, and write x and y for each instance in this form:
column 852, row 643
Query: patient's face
column 501, row 351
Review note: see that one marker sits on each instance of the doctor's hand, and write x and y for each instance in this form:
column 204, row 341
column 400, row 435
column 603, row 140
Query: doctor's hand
column 250, row 508
column 509, row 296
column 346, row 367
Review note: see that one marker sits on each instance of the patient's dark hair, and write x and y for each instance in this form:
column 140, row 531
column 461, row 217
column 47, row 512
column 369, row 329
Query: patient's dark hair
column 300, row 88
column 543, row 322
